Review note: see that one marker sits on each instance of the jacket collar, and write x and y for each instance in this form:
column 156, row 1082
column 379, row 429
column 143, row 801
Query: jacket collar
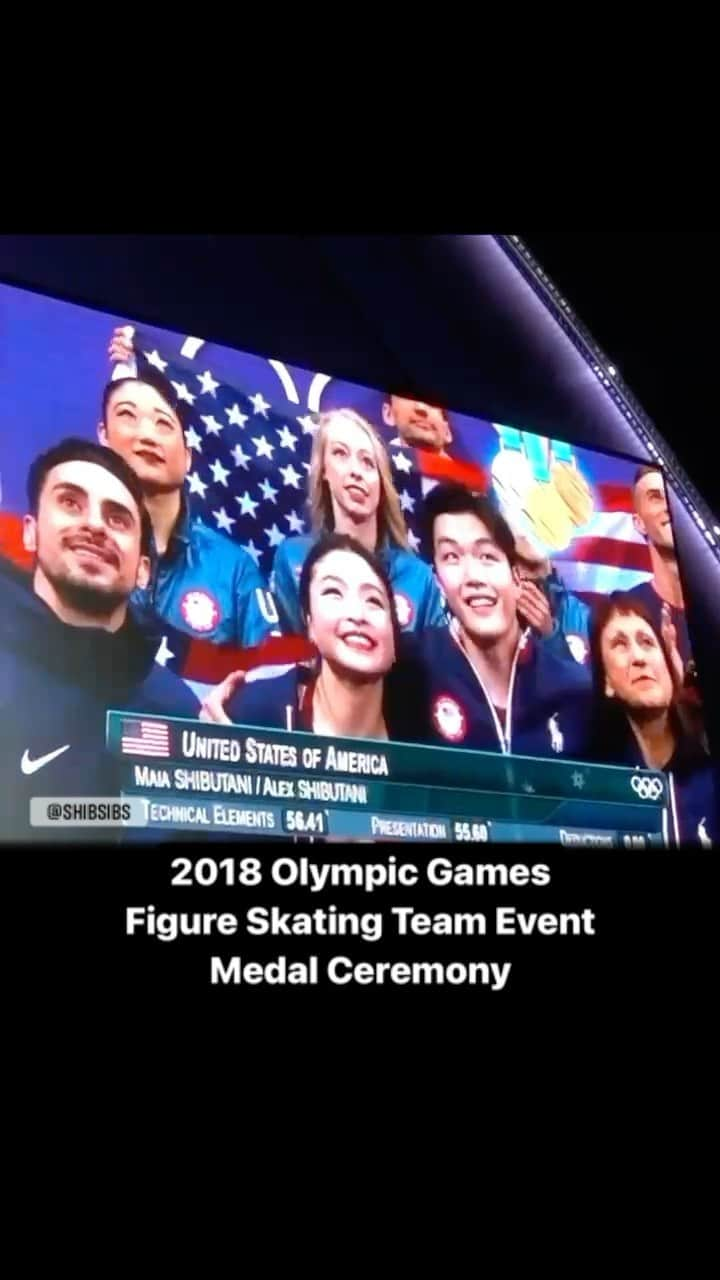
column 180, row 538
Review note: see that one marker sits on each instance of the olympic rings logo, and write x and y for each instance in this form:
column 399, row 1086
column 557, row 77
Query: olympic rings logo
column 646, row 788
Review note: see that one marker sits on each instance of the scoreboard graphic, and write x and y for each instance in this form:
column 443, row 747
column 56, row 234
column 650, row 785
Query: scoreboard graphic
column 250, row 782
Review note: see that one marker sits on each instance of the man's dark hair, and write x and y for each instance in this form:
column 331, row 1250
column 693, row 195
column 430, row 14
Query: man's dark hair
column 152, row 378
column 646, row 469
column 77, row 449
column 344, row 542
column 388, row 399
column 608, row 720
column 454, row 499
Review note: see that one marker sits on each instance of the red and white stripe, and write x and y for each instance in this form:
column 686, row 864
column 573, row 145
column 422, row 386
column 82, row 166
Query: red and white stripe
column 148, row 738
column 608, row 555
column 206, row 665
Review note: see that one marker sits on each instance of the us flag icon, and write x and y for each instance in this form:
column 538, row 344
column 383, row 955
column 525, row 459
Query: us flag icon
column 145, row 738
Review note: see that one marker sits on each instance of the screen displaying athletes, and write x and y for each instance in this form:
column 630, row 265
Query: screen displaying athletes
column 301, row 553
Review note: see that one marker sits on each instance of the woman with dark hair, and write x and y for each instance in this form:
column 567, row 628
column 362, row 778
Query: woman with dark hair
column 640, row 717
column 349, row 614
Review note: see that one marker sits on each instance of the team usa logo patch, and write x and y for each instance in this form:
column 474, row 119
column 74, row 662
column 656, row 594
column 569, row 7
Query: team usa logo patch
column 449, row 718
column 578, row 647
column 200, row 610
column 404, row 609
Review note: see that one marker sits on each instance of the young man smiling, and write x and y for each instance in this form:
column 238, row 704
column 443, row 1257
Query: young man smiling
column 70, row 650
column 487, row 684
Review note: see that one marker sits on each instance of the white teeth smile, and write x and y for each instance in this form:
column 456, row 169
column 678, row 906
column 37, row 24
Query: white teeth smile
column 473, row 601
column 357, row 641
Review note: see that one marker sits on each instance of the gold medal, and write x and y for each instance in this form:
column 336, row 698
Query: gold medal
column 574, row 491
column 549, row 516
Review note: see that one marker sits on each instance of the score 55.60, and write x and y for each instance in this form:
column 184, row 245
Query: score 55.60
column 476, row 832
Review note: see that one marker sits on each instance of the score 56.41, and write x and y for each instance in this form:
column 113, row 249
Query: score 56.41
column 305, row 821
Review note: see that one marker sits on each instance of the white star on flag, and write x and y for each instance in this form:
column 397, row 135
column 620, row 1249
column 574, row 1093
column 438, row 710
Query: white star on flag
column 247, row 504
column 163, row 654
column 263, row 448
column 235, row 417
column 224, row 521
column 212, row 426
column 274, row 536
column 252, row 550
column 268, row 493
column 259, row 405
column 192, row 439
column 241, row 459
column 290, row 476
column 306, row 466
column 208, row 383
column 308, row 424
column 191, row 346
column 413, row 540
column 153, row 357
column 287, row 439
column 296, row 524
column 406, row 502
column 196, row 484
column 220, row 475
column 183, row 393
column 402, row 462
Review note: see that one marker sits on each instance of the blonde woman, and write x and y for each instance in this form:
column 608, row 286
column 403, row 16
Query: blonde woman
column 351, row 491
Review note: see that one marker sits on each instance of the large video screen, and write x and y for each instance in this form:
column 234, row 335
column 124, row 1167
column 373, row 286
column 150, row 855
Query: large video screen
column 248, row 600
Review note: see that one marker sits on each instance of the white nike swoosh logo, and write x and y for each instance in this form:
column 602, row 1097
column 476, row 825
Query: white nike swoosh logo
column 29, row 766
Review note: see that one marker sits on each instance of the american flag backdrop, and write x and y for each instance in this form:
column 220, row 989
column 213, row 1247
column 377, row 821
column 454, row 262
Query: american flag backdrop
column 250, row 431
column 608, row 555
column 251, row 456
column 251, row 459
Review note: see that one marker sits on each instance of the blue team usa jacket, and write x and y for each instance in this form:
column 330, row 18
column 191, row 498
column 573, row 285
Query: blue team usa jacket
column 697, row 802
column 56, row 685
column 208, row 587
column 274, row 698
column 281, row 698
column 548, row 705
column 434, row 696
column 418, row 598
